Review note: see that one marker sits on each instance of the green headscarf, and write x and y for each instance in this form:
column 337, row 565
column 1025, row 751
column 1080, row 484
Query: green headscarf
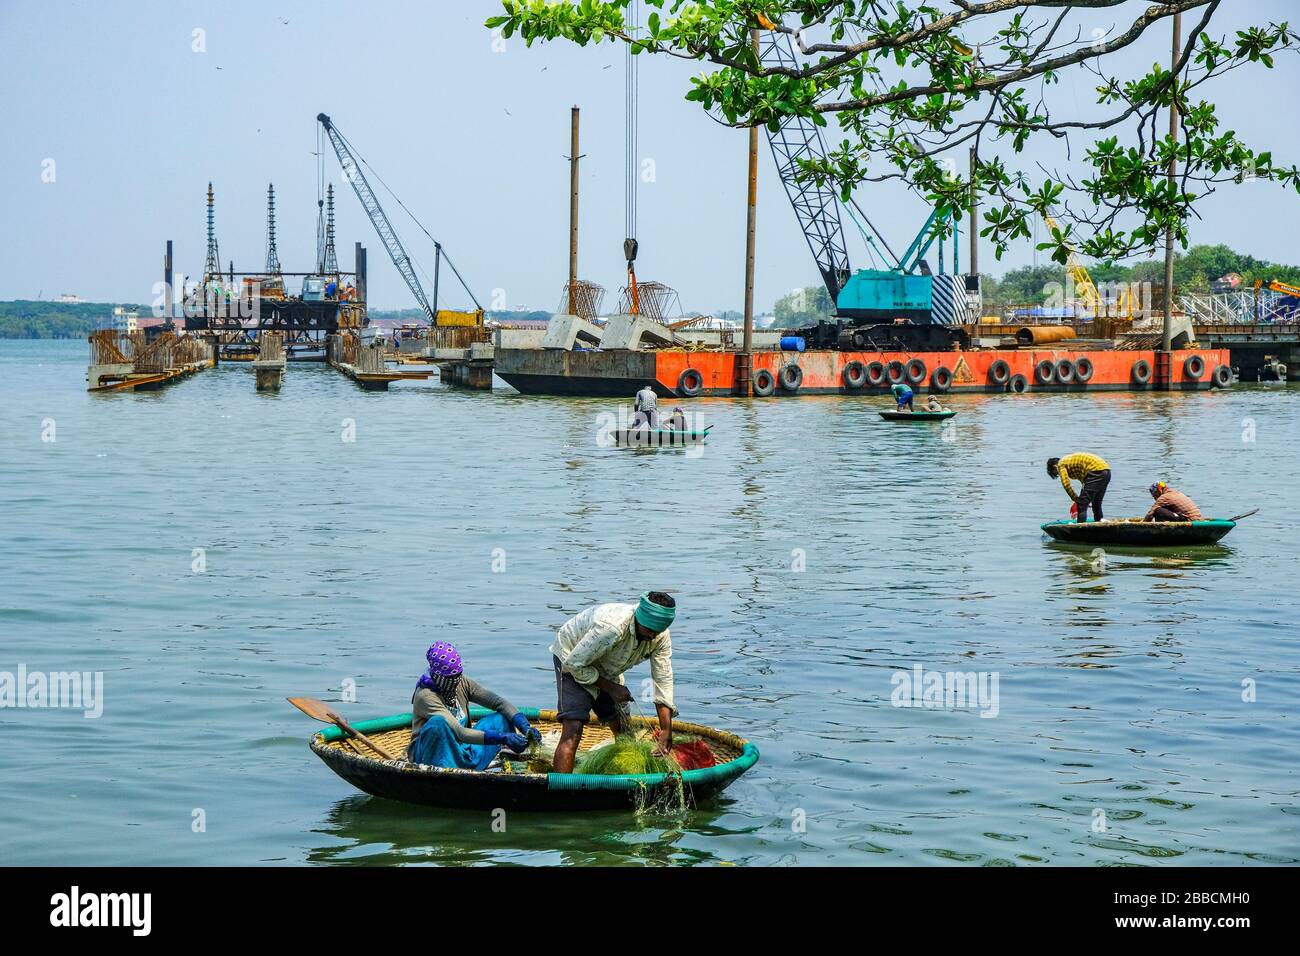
column 654, row 617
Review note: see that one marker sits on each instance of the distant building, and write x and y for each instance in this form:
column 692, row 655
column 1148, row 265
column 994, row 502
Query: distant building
column 69, row 298
column 1226, row 283
column 126, row 320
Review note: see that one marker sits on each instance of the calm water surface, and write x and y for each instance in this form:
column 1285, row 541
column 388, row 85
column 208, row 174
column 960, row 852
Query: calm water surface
column 1120, row 694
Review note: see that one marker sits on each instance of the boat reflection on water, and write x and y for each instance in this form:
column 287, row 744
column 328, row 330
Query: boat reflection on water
column 1090, row 561
column 372, row 831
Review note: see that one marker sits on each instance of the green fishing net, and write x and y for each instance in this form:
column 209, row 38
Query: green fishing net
column 626, row 755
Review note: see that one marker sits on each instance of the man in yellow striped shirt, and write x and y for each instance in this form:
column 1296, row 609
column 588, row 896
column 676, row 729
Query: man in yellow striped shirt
column 1091, row 471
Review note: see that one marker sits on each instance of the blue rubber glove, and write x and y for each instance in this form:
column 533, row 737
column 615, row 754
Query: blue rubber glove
column 494, row 737
column 522, row 725
column 516, row 742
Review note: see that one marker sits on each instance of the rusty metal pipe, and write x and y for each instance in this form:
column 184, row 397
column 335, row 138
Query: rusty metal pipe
column 1042, row 334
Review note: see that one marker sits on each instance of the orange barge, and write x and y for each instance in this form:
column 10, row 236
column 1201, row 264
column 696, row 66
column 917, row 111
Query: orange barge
column 688, row 374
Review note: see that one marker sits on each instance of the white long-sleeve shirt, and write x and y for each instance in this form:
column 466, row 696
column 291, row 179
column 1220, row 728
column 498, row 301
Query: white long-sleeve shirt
column 601, row 642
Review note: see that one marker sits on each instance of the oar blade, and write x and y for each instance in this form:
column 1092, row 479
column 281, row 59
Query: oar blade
column 316, row 709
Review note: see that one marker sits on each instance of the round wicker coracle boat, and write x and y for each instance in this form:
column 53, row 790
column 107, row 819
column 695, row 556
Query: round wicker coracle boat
column 472, row 789
column 1135, row 533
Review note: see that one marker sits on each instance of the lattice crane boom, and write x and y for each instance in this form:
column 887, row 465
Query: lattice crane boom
column 378, row 218
column 815, row 204
column 1084, row 287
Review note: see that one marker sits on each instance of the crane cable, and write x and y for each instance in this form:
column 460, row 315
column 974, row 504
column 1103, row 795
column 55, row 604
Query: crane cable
column 320, row 200
column 631, row 82
column 443, row 249
column 630, row 128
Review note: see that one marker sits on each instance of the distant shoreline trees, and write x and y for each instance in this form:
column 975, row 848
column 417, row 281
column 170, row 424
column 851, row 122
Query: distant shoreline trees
column 1195, row 270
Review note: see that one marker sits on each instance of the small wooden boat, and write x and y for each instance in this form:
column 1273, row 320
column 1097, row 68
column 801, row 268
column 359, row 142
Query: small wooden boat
column 477, row 790
column 658, row 437
column 1133, row 532
column 921, row 416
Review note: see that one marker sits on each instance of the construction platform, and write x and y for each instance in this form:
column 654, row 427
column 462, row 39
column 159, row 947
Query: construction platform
column 126, row 361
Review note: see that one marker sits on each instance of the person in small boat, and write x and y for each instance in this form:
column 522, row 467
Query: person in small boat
column 593, row 650
column 645, row 411
column 440, row 731
column 677, row 420
column 934, row 405
column 903, row 396
column 1094, row 476
column 1171, row 505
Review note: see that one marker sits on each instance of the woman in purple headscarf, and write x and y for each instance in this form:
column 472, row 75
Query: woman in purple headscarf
column 440, row 732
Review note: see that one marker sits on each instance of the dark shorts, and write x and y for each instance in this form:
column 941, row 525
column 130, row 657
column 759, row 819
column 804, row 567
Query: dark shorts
column 576, row 702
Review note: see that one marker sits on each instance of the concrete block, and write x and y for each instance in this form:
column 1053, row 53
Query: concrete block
column 1183, row 332
column 715, row 338
column 447, row 355
column 95, row 373
column 631, row 332
column 481, row 351
column 268, row 374
column 566, row 331
column 518, row 338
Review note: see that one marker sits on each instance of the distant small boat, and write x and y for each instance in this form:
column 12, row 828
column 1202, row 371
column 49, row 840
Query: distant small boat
column 1133, row 532
column 921, row 416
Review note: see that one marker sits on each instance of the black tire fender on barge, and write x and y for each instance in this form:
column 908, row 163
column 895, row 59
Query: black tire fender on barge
column 897, row 372
column 876, row 374
column 941, row 379
column 1222, row 377
column 1045, row 372
column 1083, row 370
column 1194, row 367
column 690, row 383
column 914, row 371
column 1000, row 372
column 1141, row 372
column 1017, row 385
column 791, row 377
column 854, row 375
column 1064, row 371
column 764, row 382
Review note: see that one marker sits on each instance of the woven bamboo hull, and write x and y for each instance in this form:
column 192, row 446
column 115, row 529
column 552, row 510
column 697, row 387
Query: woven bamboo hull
column 658, row 438
column 917, row 416
column 1144, row 534
column 473, row 790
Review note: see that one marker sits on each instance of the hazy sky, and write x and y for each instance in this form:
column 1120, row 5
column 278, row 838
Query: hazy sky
column 471, row 138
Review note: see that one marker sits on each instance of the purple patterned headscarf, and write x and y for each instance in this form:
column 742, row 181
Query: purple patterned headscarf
column 444, row 671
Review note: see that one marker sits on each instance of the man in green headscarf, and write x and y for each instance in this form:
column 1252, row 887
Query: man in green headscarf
column 591, row 652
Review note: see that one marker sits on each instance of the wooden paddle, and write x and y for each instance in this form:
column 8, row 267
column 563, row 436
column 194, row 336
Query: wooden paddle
column 1246, row 515
column 319, row 710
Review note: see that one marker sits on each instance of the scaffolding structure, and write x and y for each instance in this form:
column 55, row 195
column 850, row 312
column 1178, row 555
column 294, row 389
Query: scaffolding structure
column 1240, row 307
column 655, row 300
column 587, row 299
